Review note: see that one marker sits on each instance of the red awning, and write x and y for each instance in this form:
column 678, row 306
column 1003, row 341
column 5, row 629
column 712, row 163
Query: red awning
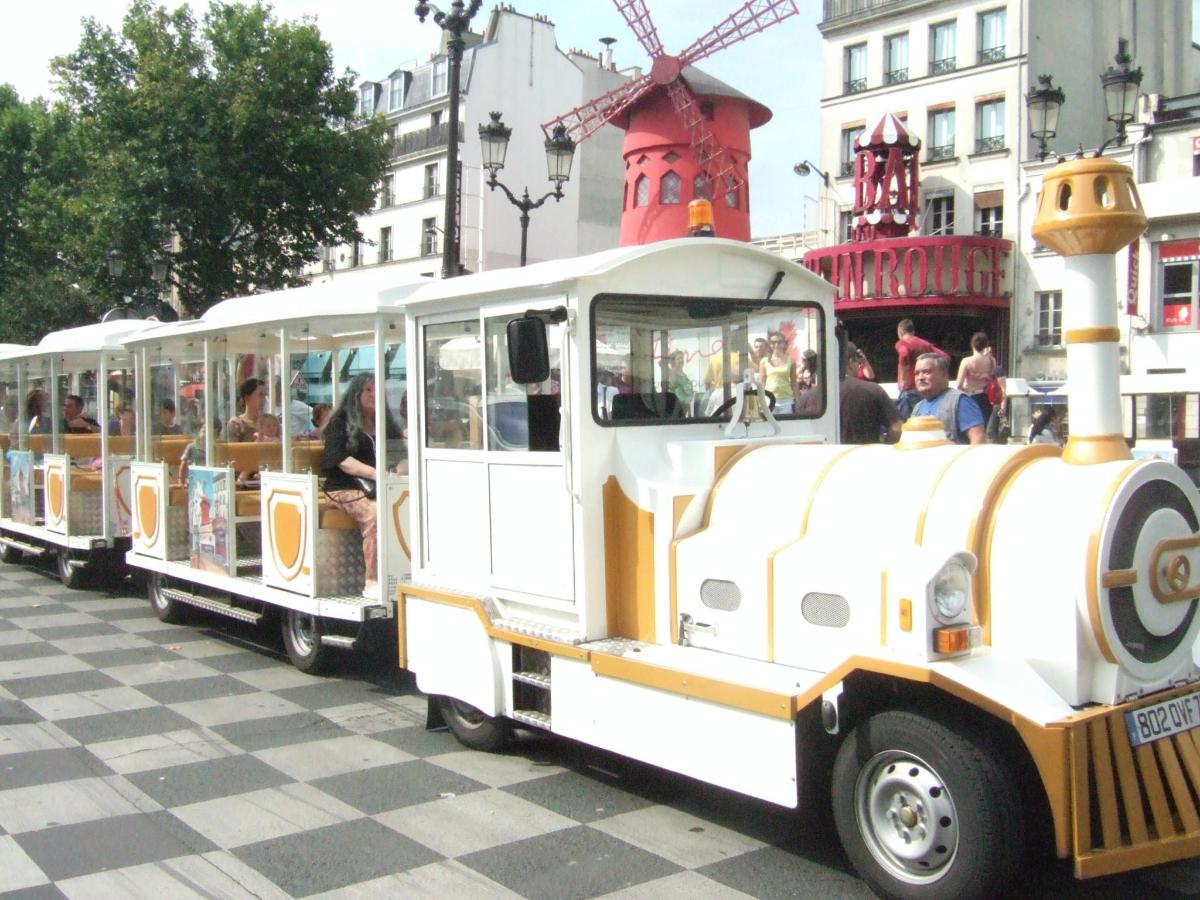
column 886, row 131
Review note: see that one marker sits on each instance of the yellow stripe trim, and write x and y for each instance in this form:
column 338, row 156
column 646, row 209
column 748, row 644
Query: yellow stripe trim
column 1096, row 335
column 1120, row 578
column 1091, row 575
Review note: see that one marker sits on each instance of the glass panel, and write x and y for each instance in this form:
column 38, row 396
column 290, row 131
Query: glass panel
column 396, row 398
column 676, row 359
column 453, row 384
column 521, row 416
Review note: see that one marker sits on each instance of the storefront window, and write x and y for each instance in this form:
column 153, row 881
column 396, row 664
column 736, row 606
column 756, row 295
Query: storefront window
column 1178, row 265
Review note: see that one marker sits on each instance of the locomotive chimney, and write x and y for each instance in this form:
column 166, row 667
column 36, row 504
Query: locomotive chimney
column 1087, row 211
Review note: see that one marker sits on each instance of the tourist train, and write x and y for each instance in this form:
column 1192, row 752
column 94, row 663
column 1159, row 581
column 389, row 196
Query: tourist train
column 665, row 566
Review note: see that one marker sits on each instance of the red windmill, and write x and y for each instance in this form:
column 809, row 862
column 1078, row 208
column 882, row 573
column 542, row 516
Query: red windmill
column 686, row 132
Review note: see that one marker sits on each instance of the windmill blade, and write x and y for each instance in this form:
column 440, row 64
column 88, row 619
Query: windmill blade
column 753, row 17
column 714, row 160
column 584, row 121
column 637, row 17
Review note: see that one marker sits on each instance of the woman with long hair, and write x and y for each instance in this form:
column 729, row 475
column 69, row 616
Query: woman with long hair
column 778, row 373
column 976, row 372
column 349, row 468
column 244, row 426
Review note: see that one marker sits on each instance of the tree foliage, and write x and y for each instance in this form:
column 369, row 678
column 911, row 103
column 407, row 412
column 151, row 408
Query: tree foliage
column 217, row 141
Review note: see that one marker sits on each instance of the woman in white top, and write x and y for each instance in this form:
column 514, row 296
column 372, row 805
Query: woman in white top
column 976, row 372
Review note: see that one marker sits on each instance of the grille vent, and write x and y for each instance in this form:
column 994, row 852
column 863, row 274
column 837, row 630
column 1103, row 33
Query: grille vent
column 827, row 610
column 722, row 595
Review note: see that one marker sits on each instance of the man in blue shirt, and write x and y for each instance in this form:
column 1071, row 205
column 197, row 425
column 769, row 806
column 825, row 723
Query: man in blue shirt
column 959, row 414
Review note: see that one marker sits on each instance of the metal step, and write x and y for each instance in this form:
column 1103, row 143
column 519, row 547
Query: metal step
column 36, row 549
column 537, row 679
column 338, row 640
column 208, row 603
column 531, row 717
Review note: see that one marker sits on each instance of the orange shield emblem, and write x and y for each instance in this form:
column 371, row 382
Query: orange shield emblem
column 54, row 494
column 147, row 507
column 287, row 535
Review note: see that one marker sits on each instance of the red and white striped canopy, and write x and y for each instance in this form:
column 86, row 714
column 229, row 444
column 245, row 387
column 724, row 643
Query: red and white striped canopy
column 886, row 131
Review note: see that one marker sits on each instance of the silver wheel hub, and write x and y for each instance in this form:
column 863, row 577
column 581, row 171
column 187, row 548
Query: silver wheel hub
column 907, row 817
column 303, row 632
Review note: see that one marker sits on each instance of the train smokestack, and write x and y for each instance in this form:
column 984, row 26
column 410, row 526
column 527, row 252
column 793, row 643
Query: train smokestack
column 1088, row 210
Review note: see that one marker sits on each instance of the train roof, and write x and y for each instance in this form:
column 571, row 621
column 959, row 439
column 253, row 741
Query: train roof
column 84, row 339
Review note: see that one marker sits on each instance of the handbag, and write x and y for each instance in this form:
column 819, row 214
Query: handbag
column 367, row 485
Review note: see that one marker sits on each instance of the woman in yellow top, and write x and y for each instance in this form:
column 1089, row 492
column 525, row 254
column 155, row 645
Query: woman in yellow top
column 777, row 372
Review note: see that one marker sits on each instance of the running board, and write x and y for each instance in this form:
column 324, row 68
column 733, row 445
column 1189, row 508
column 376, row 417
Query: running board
column 341, row 641
column 211, row 605
column 35, row 549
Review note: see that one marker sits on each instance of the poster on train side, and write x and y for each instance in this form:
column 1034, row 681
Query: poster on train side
column 208, row 519
column 21, row 481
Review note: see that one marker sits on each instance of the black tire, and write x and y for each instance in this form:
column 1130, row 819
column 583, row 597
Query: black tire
column 924, row 811
column 302, row 640
column 166, row 608
column 73, row 577
column 473, row 728
column 12, row 555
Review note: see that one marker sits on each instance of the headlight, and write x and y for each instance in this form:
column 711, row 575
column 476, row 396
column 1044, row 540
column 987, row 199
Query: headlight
column 951, row 592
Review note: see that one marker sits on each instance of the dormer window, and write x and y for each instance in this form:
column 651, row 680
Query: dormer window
column 396, row 93
column 441, row 70
column 366, row 101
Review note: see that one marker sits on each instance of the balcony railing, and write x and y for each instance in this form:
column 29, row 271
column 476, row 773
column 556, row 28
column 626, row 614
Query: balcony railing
column 836, row 9
column 988, row 144
column 855, row 86
column 942, row 66
column 896, row 76
column 434, row 138
column 847, row 169
column 991, row 54
column 944, row 151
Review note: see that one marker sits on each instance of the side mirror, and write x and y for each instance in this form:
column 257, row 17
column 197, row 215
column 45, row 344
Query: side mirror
column 528, row 353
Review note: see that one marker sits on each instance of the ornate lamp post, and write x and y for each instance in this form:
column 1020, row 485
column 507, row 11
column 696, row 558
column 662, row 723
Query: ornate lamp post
column 1121, row 88
column 1044, row 104
column 560, row 152
column 454, row 23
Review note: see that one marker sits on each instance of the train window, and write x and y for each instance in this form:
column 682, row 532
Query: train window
column 677, row 359
column 453, row 385
column 520, row 416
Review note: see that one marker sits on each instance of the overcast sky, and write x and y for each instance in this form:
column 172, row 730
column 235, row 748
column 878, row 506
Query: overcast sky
column 780, row 67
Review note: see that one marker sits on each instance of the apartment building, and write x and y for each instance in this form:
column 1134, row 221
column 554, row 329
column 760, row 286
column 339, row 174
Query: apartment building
column 516, row 67
column 956, row 72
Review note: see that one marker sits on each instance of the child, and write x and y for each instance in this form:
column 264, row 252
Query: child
column 269, row 428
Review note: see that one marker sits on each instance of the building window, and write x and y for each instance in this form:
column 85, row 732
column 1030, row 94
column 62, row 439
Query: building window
column 849, row 135
column 941, row 134
column 327, row 263
column 943, row 47
column 441, row 70
column 845, row 225
column 1180, row 265
column 731, row 192
column 856, row 69
column 435, row 118
column 895, row 58
column 641, row 191
column 669, row 188
column 700, row 188
column 989, row 213
column 1049, row 318
column 431, row 180
column 428, row 237
column 356, row 256
column 991, row 35
column 396, row 92
column 387, row 191
column 989, row 126
column 385, row 244
column 939, row 217
column 366, row 100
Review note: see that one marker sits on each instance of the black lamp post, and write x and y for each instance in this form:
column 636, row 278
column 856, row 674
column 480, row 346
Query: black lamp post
column 560, row 152
column 1044, row 104
column 1121, row 88
column 804, row 168
column 116, row 262
column 454, row 23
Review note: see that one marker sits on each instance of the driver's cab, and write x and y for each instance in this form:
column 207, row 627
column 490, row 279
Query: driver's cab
column 576, row 414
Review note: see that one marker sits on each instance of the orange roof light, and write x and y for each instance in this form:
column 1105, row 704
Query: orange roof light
column 700, row 219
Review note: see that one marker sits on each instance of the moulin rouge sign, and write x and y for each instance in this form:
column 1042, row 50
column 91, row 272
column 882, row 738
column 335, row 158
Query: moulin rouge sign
column 883, row 265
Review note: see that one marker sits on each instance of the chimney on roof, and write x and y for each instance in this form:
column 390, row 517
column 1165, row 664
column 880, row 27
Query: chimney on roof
column 606, row 55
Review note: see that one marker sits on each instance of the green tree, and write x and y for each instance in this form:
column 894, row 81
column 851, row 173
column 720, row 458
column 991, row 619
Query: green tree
column 219, row 141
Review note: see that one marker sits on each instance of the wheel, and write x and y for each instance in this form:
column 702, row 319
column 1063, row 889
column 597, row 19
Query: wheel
column 166, row 608
column 302, row 639
column 924, row 811
column 71, row 576
column 12, row 555
column 473, row 728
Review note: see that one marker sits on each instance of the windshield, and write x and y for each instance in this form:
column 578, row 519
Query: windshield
column 658, row 358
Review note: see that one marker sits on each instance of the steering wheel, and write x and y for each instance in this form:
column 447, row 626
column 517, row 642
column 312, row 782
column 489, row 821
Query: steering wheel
column 725, row 407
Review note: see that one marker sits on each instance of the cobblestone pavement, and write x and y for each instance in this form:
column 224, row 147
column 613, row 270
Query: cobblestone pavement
column 140, row 759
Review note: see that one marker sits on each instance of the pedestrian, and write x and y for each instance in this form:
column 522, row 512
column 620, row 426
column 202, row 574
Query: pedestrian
column 868, row 414
column 777, row 373
column 958, row 413
column 908, row 348
column 1044, row 428
column 976, row 373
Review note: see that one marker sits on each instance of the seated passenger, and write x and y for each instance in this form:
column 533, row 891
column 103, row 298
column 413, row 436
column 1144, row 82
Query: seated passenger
column 269, row 429
column 244, row 426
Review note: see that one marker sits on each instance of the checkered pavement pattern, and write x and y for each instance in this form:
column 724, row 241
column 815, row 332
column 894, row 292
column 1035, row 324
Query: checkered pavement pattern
column 141, row 759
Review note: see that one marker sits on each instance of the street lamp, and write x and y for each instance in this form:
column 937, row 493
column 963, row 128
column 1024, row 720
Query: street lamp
column 804, row 168
column 1121, row 88
column 560, row 152
column 1044, row 105
column 116, row 262
column 454, row 23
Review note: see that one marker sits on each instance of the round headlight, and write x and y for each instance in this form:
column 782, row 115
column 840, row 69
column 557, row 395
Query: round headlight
column 951, row 592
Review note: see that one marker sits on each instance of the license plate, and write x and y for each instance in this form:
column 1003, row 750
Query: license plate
column 1152, row 723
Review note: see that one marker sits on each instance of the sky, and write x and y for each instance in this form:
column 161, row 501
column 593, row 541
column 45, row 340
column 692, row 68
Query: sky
column 779, row 67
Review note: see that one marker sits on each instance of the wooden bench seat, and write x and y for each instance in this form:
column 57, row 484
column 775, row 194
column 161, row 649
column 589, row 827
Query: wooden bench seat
column 86, row 482
column 331, row 517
